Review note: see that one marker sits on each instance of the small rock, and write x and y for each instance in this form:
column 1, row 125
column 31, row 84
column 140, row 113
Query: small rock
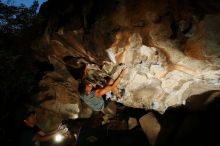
column 110, row 108
column 151, row 127
column 132, row 123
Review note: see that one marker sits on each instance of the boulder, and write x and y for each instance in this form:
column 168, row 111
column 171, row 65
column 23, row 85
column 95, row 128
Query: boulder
column 151, row 127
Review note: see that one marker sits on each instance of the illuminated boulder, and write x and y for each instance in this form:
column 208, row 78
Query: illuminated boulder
column 171, row 50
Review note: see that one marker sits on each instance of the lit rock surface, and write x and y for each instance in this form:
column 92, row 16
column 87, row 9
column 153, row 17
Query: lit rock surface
column 154, row 82
column 132, row 123
column 171, row 50
column 151, row 127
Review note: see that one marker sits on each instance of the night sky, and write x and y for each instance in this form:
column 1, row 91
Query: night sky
column 26, row 2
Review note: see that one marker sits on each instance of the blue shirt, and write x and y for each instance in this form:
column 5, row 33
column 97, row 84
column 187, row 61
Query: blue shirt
column 96, row 103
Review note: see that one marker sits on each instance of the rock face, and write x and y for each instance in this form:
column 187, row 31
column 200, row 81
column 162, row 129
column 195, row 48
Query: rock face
column 171, row 50
column 157, row 82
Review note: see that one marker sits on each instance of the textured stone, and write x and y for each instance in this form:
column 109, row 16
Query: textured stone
column 151, row 127
column 132, row 123
column 212, row 37
column 48, row 120
column 170, row 55
column 155, row 81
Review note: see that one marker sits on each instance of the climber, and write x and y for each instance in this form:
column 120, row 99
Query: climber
column 93, row 98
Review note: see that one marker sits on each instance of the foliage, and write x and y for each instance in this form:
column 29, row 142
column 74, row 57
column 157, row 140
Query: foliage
column 13, row 19
column 16, row 71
